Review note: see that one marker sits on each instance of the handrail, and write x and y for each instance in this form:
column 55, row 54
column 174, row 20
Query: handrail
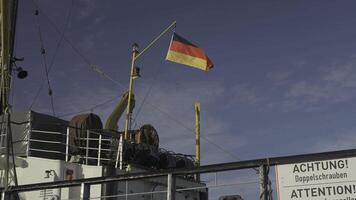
column 50, row 132
column 98, row 149
column 50, row 151
column 46, row 141
column 202, row 169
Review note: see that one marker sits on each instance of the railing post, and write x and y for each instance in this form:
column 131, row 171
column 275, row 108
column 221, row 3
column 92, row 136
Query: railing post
column 171, row 187
column 6, row 195
column 119, row 161
column 263, row 178
column 216, row 178
column 87, row 149
column 1, row 139
column 127, row 189
column 67, row 145
column 3, row 195
column 85, row 191
column 99, row 150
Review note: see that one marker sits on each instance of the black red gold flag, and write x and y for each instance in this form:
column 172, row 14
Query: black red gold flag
column 184, row 52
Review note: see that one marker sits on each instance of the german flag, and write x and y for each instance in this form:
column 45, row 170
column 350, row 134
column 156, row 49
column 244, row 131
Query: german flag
column 184, row 52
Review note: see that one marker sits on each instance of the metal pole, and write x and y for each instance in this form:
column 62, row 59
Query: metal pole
column 7, row 152
column 5, row 55
column 87, row 149
column 263, row 178
column 171, row 187
column 67, row 145
column 216, row 178
column 126, row 189
column 135, row 56
column 99, row 150
column 118, row 160
column 5, row 77
column 2, row 133
column 173, row 25
column 6, row 196
column 128, row 109
column 197, row 136
column 85, row 191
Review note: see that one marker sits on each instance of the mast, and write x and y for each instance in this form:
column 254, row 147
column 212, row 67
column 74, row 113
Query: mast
column 135, row 56
column 8, row 14
column 197, row 136
column 5, row 55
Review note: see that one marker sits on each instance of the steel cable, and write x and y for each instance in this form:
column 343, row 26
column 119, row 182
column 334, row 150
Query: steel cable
column 44, row 60
column 93, row 67
column 55, row 51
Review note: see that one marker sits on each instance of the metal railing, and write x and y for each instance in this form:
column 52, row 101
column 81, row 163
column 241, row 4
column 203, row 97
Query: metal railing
column 93, row 150
column 88, row 148
column 171, row 175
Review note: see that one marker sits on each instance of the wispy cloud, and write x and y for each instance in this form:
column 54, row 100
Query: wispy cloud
column 278, row 77
column 290, row 92
column 87, row 42
column 86, row 8
column 174, row 119
column 311, row 92
column 170, row 109
column 336, row 83
column 345, row 140
column 341, row 75
column 245, row 94
column 78, row 99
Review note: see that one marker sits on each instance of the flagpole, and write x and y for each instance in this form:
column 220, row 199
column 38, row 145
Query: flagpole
column 173, row 25
column 135, row 56
column 128, row 109
column 197, row 137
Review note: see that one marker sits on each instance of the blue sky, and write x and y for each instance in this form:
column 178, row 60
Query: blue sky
column 284, row 80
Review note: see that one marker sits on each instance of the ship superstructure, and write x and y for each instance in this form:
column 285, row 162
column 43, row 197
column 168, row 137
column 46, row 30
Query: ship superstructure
column 37, row 148
column 47, row 149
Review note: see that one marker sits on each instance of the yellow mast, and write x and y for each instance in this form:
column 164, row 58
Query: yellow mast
column 135, row 56
column 132, row 74
column 197, row 135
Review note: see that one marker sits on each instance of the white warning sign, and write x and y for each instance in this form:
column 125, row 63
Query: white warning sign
column 318, row 180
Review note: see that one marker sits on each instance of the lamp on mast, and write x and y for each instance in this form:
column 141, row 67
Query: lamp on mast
column 134, row 73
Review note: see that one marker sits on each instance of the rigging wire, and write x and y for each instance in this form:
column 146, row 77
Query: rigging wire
column 192, row 131
column 93, row 67
column 69, row 15
column 203, row 136
column 11, row 146
column 44, row 60
column 91, row 108
column 15, row 44
column 100, row 72
column 146, row 95
column 12, row 87
column 179, row 122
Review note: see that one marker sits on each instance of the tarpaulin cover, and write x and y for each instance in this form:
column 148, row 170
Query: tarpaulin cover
column 36, row 134
column 78, row 133
column 147, row 134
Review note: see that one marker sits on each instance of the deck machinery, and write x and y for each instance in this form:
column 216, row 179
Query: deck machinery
column 47, row 149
